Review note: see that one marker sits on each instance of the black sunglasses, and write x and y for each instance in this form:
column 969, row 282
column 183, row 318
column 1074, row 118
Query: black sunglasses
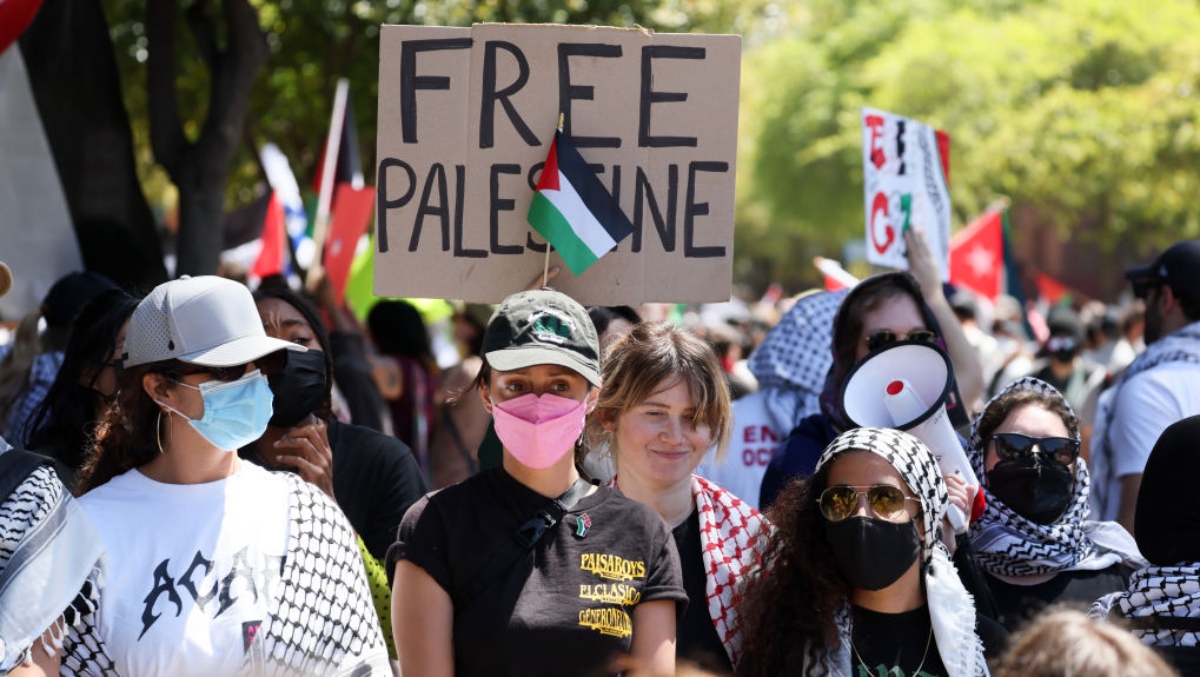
column 882, row 337
column 886, row 502
column 1012, row 446
column 267, row 364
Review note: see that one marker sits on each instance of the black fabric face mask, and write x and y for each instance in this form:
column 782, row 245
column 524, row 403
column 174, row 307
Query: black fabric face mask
column 871, row 553
column 299, row 388
column 1036, row 489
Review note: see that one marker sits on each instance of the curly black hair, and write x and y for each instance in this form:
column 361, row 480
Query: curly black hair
column 790, row 603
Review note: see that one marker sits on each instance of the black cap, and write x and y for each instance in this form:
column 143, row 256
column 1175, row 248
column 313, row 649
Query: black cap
column 542, row 327
column 1178, row 268
column 70, row 294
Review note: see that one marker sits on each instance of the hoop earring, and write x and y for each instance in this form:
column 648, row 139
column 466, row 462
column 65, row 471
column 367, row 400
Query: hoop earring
column 158, row 431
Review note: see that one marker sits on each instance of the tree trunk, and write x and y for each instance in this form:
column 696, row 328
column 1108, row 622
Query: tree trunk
column 73, row 73
column 200, row 170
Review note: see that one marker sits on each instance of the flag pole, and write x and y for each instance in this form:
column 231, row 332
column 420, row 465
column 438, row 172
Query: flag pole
column 546, row 261
column 333, row 146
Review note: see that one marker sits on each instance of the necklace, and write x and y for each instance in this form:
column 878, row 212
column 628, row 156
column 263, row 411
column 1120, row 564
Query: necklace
column 928, row 641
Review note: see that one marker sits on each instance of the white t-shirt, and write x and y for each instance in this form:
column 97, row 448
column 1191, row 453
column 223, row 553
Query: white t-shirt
column 756, row 436
column 1149, row 402
column 193, row 569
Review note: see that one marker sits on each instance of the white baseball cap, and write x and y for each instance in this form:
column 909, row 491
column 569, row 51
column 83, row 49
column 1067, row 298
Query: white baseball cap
column 206, row 320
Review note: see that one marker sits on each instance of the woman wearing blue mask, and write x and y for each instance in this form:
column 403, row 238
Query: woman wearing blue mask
column 526, row 569
column 216, row 566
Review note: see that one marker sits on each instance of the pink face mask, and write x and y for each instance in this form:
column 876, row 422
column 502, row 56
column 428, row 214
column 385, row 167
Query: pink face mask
column 539, row 430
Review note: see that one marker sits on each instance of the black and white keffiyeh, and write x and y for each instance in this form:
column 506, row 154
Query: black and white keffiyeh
column 324, row 622
column 1155, row 597
column 794, row 357
column 951, row 608
column 1010, row 545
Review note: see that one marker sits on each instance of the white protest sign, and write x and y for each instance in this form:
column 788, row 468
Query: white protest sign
column 906, row 185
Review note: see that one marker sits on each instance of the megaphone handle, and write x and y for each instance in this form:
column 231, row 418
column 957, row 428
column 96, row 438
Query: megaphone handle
column 958, row 519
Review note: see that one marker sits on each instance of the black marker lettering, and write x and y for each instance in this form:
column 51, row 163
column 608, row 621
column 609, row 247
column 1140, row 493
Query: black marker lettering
column 694, row 209
column 497, row 205
column 437, row 174
column 649, row 96
column 567, row 91
column 382, row 204
column 410, row 82
column 643, row 196
column 487, row 105
column 460, row 175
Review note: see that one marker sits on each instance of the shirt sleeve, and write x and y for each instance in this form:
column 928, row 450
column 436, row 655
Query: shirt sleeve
column 1145, row 406
column 422, row 541
column 402, row 486
column 664, row 575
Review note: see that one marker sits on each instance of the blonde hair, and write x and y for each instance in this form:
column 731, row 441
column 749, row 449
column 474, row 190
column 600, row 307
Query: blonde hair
column 652, row 356
column 1065, row 642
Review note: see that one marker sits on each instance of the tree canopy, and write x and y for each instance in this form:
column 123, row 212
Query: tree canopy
column 1080, row 111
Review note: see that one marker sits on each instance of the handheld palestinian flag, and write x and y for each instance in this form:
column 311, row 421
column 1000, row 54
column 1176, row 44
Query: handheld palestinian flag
column 573, row 211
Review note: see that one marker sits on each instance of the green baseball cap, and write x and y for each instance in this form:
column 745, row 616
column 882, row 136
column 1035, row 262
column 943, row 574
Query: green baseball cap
column 542, row 327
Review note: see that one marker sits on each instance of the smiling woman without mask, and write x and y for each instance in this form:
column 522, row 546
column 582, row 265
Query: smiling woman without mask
column 215, row 565
column 856, row 579
column 663, row 406
column 525, row 568
column 1033, row 541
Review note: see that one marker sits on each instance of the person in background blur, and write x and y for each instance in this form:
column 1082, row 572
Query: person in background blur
column 790, row 366
column 991, row 358
column 1063, row 366
column 1160, row 387
column 64, row 424
column 399, row 333
column 612, row 322
column 462, row 419
column 62, row 303
column 1065, row 643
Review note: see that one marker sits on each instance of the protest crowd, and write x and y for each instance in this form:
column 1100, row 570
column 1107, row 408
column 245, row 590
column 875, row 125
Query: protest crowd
column 253, row 473
column 210, row 480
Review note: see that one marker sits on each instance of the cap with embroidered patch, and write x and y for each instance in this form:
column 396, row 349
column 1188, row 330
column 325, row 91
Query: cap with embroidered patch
column 542, row 327
column 206, row 320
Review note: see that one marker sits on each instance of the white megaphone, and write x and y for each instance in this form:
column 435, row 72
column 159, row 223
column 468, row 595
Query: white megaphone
column 904, row 386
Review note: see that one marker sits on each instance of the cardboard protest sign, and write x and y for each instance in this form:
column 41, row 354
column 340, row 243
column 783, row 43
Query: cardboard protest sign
column 906, row 185
column 466, row 117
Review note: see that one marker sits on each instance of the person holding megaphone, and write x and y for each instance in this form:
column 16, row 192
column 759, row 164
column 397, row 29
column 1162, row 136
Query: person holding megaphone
column 1033, row 541
column 879, row 311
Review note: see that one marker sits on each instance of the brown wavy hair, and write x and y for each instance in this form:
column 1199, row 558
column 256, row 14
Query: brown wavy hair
column 127, row 433
column 652, row 355
column 789, row 604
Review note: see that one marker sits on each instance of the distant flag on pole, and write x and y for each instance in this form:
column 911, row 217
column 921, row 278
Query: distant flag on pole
column 573, row 211
column 287, row 192
column 836, row 277
column 271, row 257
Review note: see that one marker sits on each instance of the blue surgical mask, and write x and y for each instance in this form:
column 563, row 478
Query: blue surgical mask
column 235, row 412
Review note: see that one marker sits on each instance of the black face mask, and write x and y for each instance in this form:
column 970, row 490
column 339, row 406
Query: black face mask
column 1036, row 489
column 299, row 388
column 871, row 553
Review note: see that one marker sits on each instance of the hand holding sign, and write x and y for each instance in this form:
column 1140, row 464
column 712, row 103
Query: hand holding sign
column 906, row 186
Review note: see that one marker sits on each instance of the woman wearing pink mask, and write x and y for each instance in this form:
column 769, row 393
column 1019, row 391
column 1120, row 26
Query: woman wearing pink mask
column 526, row 569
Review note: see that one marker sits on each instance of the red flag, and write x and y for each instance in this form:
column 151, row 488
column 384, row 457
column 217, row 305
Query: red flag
column 15, row 17
column 1051, row 289
column 977, row 256
column 270, row 259
column 351, row 214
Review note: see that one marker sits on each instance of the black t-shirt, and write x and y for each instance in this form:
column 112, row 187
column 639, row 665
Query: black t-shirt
column 564, row 609
column 696, row 636
column 375, row 480
column 894, row 644
column 1019, row 603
